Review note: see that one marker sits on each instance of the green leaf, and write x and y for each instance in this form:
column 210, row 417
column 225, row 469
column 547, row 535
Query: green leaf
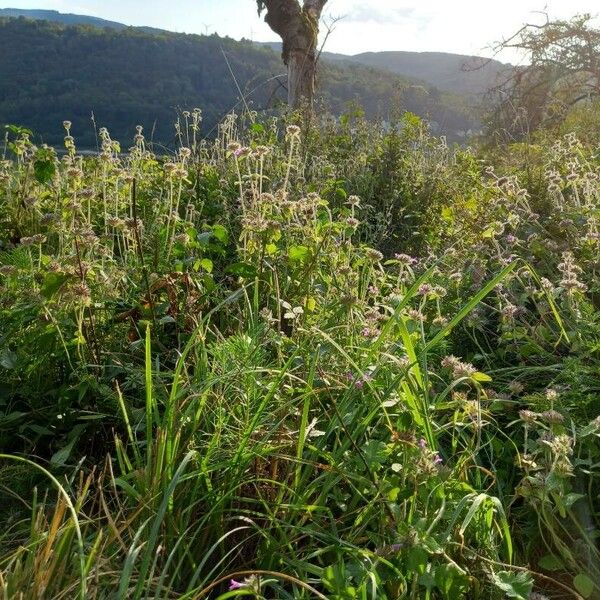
column 416, row 560
column 584, row 585
column 52, row 283
column 207, row 265
column 298, row 254
column 241, row 269
column 375, row 453
column 550, row 563
column 514, row 584
column 8, row 359
column 220, row 233
column 482, row 377
column 44, row 165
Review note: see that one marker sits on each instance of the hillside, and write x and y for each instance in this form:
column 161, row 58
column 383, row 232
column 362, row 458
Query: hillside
column 50, row 72
column 450, row 72
column 58, row 17
column 456, row 73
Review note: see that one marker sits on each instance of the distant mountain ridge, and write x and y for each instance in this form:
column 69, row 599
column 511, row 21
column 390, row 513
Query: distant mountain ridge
column 58, row 17
column 67, row 18
column 458, row 73
column 451, row 72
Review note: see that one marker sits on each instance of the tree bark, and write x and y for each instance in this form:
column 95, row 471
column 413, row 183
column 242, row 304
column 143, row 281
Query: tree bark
column 298, row 27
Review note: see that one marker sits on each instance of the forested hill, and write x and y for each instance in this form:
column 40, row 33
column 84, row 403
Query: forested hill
column 451, row 72
column 50, row 72
column 64, row 18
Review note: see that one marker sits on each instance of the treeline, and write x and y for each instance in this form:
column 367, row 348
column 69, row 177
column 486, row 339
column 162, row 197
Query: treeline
column 50, row 72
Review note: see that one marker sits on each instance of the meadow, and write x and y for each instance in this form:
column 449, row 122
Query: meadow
column 319, row 359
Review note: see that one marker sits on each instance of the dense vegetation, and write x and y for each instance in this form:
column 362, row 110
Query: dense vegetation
column 134, row 76
column 335, row 361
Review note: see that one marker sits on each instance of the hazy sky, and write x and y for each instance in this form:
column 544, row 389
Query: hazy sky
column 462, row 26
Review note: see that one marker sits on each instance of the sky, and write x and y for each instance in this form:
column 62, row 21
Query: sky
column 458, row 26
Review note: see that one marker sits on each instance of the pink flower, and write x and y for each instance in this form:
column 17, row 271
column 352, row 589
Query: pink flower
column 235, row 585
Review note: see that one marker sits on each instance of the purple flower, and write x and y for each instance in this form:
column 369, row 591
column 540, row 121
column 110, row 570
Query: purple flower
column 235, row 585
column 422, row 443
column 437, row 459
column 359, row 383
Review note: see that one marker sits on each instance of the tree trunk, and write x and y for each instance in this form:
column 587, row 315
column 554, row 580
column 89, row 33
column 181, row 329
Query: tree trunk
column 301, row 78
column 298, row 27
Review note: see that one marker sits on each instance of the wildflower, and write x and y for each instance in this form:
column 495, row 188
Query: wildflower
column 422, row 444
column 294, row 313
column 415, row 315
column 551, row 394
column 570, row 272
column 267, row 198
column 516, row 387
column 425, row 289
column 236, row 585
column 261, row 151
column 185, row 153
column 370, row 332
column 27, row 241
column 359, row 382
column 528, row 416
column 75, row 172
column 352, row 222
column 67, row 125
column 553, row 417
column 374, row 315
column 449, row 362
column 233, row 147
column 373, row 254
column 440, row 321
column 132, row 223
column 293, row 130
column 115, row 222
column 182, row 238
column 82, row 292
column 546, row 285
column 170, row 168
column 510, row 311
column 464, row 370
column 38, row 238
column 405, row 259
column 348, row 299
column 242, row 152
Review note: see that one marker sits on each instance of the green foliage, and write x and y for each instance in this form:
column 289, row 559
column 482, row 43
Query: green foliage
column 341, row 362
